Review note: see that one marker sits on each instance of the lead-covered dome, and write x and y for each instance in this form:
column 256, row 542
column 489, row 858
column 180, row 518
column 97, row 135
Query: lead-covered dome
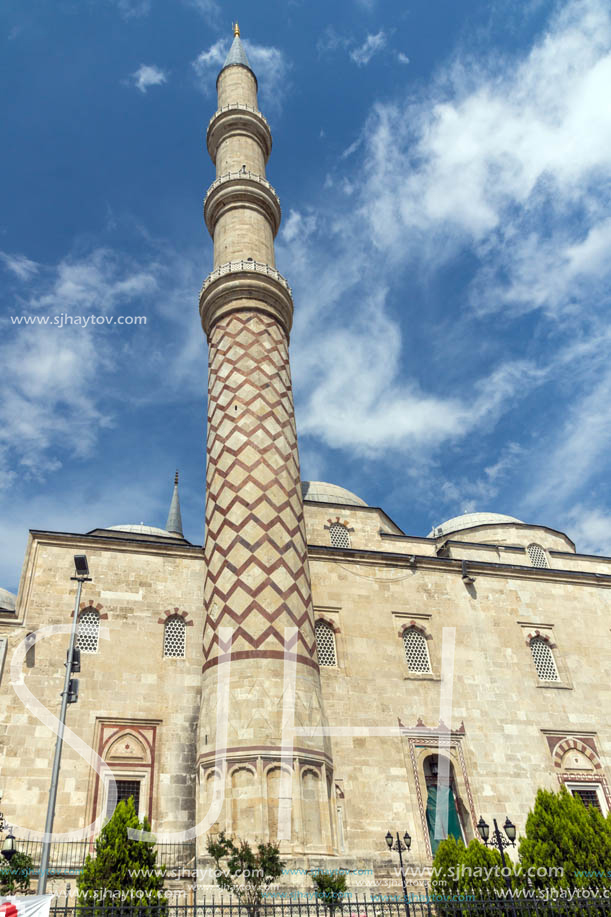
column 322, row 492
column 142, row 530
column 471, row 520
column 8, row 601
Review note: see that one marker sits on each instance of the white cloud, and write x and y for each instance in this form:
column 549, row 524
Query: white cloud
column 590, row 529
column 372, row 45
column 19, row 265
column 133, row 9
column 268, row 63
column 148, row 75
column 208, row 8
column 402, row 58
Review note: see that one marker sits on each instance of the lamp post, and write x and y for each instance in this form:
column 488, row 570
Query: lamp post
column 400, row 846
column 69, row 696
column 501, row 842
column 8, row 847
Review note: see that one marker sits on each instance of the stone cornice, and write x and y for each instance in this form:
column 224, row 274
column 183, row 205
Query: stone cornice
column 241, row 190
column 237, row 281
column 238, row 119
column 116, row 542
column 452, row 565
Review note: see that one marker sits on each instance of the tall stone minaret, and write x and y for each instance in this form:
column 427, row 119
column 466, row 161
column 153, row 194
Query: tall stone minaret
column 257, row 574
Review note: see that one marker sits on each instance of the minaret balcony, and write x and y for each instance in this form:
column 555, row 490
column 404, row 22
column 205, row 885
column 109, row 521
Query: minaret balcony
column 241, row 189
column 262, row 287
column 238, row 118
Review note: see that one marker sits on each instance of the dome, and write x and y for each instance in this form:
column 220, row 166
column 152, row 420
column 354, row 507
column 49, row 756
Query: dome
column 471, row 520
column 142, row 530
column 321, row 492
column 8, row 601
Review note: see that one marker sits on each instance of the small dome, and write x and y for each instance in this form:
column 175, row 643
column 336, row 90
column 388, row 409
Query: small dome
column 469, row 521
column 321, row 492
column 8, row 601
column 142, row 530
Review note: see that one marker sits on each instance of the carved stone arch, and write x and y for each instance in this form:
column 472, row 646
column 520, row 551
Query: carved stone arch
column 127, row 748
column 324, row 620
column 413, row 625
column 540, row 636
column 566, row 745
column 175, row 613
column 89, row 606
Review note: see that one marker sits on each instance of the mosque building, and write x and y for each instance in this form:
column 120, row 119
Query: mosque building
column 313, row 675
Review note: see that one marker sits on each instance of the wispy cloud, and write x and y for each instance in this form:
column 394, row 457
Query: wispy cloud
column 19, row 265
column 402, row 58
column 148, row 75
column 268, row 63
column 133, row 9
column 372, row 45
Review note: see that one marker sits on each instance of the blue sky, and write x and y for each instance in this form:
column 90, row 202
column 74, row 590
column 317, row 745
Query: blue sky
column 445, row 176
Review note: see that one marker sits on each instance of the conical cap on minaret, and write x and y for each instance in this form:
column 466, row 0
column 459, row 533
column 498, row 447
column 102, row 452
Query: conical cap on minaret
column 174, row 523
column 237, row 52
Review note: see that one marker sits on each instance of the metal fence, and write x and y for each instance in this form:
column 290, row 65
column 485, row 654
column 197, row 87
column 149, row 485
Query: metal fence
column 68, row 858
column 375, row 906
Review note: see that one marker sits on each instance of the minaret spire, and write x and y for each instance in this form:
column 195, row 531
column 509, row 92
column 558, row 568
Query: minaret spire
column 257, row 577
column 174, row 523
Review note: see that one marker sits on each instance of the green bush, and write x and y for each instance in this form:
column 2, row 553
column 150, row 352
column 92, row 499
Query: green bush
column 244, row 872
column 330, row 889
column 15, row 875
column 123, row 871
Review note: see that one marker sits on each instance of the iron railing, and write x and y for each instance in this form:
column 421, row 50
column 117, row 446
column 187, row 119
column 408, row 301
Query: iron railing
column 353, row 906
column 258, row 267
column 68, row 858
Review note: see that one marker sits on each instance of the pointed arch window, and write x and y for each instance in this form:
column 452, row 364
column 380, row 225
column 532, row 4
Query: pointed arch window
column 543, row 658
column 538, row 557
column 88, row 634
column 339, row 535
column 416, row 651
column 325, row 644
column 175, row 637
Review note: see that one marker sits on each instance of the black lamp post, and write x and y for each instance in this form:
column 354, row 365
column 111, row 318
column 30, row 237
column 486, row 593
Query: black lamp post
column 8, row 847
column 400, row 846
column 501, row 842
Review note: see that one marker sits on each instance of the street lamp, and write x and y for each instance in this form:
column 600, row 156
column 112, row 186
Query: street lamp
column 400, row 847
column 501, row 842
column 8, row 848
column 69, row 696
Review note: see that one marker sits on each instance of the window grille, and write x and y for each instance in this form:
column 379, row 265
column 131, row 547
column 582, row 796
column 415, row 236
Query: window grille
column 543, row 657
column 588, row 795
column 88, row 631
column 125, row 789
column 340, row 537
column 538, row 557
column 174, row 637
column 325, row 644
column 416, row 651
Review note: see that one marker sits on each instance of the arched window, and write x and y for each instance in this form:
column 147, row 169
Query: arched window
column 325, row 644
column 442, row 809
column 538, row 557
column 88, row 631
column 543, row 657
column 174, row 637
column 340, row 537
column 416, row 650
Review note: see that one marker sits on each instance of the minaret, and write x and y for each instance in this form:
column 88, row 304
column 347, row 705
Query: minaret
column 257, row 573
column 174, row 523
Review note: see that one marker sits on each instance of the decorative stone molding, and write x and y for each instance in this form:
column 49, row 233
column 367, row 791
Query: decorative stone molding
column 238, row 119
column 412, row 625
column 542, row 636
column 225, row 290
column 241, row 190
column 560, row 744
column 328, row 621
column 338, row 521
column 176, row 612
column 89, row 606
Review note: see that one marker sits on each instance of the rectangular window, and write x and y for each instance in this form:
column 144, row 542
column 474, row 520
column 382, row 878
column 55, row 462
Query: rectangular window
column 589, row 795
column 125, row 789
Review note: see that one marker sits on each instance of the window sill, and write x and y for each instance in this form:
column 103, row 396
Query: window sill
column 555, row 685
column 421, row 676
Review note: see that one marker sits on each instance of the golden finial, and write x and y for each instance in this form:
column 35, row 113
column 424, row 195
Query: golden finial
column 236, row 30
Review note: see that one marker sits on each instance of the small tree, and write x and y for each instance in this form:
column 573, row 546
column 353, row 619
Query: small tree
column 15, row 874
column 330, row 889
column 569, row 844
column 123, row 871
column 473, row 870
column 244, row 872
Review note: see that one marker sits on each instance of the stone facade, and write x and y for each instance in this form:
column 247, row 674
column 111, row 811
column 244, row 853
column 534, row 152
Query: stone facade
column 479, row 652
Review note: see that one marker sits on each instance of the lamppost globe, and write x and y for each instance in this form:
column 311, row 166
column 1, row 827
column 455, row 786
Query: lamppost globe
column 389, row 840
column 484, row 829
column 510, row 830
column 407, row 840
column 8, row 848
